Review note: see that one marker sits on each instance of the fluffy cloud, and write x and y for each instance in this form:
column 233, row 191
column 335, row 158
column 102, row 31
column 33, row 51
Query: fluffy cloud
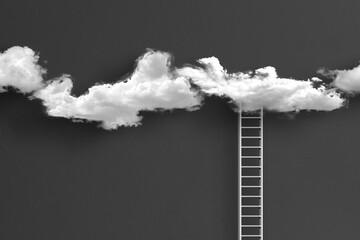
column 155, row 85
column 151, row 87
column 19, row 69
column 262, row 88
column 346, row 80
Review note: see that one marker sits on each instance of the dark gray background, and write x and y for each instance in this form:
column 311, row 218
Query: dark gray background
column 175, row 177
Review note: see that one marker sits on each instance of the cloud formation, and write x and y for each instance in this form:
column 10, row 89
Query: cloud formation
column 19, row 69
column 151, row 87
column 262, row 88
column 156, row 85
column 345, row 80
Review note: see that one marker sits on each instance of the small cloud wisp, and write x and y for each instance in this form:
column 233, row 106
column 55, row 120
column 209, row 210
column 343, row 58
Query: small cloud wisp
column 346, row 80
column 19, row 69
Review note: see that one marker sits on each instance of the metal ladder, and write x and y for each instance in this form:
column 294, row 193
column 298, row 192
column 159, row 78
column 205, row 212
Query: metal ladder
column 250, row 209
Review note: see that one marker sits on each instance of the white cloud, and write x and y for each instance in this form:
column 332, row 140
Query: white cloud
column 157, row 86
column 151, row 87
column 346, row 80
column 263, row 88
column 19, row 70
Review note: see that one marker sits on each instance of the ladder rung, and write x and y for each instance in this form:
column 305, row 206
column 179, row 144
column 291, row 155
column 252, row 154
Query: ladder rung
column 251, row 137
column 251, row 167
column 251, row 147
column 257, row 216
column 251, row 235
column 252, row 196
column 242, row 127
column 250, row 176
column 259, row 226
column 251, row 186
column 251, row 156
column 250, row 117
